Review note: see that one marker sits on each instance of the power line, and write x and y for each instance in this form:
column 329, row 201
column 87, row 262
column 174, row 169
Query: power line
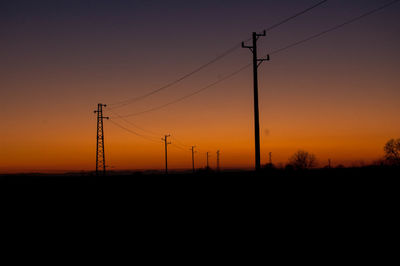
column 129, row 101
column 294, row 16
column 180, row 142
column 178, row 147
column 273, row 52
column 133, row 132
column 188, row 95
column 222, row 55
column 136, row 126
column 333, row 28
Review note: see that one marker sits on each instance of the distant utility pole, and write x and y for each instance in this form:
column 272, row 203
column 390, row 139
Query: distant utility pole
column 256, row 63
column 193, row 158
column 218, row 160
column 207, row 161
column 270, row 158
column 165, row 139
column 329, row 163
column 100, row 157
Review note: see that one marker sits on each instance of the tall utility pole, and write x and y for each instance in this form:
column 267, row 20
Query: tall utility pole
column 165, row 139
column 270, row 158
column 256, row 63
column 100, row 157
column 218, row 160
column 207, row 161
column 192, row 149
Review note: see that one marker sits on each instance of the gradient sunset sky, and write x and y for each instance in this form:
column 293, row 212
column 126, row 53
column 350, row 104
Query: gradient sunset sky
column 337, row 96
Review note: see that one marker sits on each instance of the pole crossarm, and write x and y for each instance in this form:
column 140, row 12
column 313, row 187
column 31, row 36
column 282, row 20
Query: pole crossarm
column 246, row 46
column 261, row 60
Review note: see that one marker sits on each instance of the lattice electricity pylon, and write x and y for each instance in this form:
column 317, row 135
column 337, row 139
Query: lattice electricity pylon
column 100, row 157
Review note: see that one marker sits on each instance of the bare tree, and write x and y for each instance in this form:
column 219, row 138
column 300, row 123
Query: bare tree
column 302, row 160
column 392, row 151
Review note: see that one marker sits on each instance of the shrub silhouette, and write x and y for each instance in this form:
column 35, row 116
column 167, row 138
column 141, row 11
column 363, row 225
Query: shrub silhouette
column 392, row 152
column 302, row 160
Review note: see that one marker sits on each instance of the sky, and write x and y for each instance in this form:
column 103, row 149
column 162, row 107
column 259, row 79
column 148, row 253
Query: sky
column 336, row 96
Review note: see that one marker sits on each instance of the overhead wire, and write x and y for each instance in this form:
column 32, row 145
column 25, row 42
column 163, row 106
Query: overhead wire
column 176, row 141
column 179, row 148
column 333, row 28
column 133, row 132
column 244, row 67
column 271, row 53
column 219, row 57
column 180, row 142
column 129, row 101
column 134, row 125
column 178, row 145
column 294, row 16
column 188, row 95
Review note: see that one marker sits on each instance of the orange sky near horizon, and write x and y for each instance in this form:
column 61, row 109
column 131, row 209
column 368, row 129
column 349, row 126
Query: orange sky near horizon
column 336, row 97
column 45, row 140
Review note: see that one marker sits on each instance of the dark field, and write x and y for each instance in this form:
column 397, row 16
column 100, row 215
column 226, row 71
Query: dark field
column 265, row 176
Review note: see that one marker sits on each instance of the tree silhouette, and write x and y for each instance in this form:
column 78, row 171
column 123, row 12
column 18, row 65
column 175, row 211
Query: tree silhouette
column 302, row 160
column 392, row 152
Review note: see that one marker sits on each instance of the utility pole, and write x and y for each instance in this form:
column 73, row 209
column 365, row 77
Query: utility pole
column 270, row 158
column 192, row 149
column 218, row 160
column 165, row 139
column 256, row 63
column 100, row 157
column 207, row 161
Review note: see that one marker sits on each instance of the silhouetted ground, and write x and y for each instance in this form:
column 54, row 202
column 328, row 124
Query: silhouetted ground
column 323, row 176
